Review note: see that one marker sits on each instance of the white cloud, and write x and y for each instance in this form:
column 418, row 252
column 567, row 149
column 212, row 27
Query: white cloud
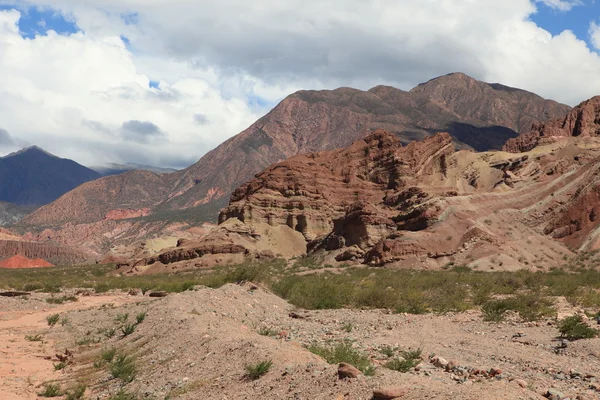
column 219, row 61
column 594, row 33
column 561, row 5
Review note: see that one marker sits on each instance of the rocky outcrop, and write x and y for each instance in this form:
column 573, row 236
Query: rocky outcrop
column 582, row 121
column 353, row 192
column 54, row 253
column 18, row 261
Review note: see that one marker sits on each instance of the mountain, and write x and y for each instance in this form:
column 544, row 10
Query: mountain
column 33, row 177
column 11, row 213
column 477, row 115
column 423, row 205
column 115, row 169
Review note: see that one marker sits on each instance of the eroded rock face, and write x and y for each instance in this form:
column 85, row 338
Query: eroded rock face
column 582, row 121
column 354, row 193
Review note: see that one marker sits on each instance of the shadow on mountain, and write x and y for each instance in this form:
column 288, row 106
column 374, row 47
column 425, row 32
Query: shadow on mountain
column 481, row 138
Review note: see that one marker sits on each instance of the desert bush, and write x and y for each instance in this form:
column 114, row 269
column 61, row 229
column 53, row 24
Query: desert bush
column 50, row 390
column 123, row 367
column 34, row 338
column 574, row 328
column 344, row 352
column 266, row 331
column 531, row 307
column 76, row 393
column 128, row 329
column 255, row 371
column 123, row 395
column 140, row 317
column 60, row 300
column 52, row 319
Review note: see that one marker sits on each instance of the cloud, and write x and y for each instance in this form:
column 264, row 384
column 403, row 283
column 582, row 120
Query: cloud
column 202, row 72
column 5, row 139
column 561, row 5
column 594, row 33
column 140, row 131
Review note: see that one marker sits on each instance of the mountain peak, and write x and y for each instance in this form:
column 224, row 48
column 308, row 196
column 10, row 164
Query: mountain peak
column 31, row 150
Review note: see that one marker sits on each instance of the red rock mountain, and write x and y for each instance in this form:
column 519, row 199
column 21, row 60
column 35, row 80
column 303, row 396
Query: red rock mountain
column 476, row 114
column 421, row 205
column 582, row 121
column 19, row 261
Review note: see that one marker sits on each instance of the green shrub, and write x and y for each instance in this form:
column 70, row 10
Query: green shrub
column 344, row 352
column 128, row 329
column 574, row 328
column 531, row 307
column 408, row 359
column 140, row 317
column 122, row 318
column 76, row 393
column 123, row 367
column 52, row 319
column 50, row 390
column 265, row 331
column 110, row 332
column 34, row 338
column 108, row 355
column 60, row 366
column 123, row 395
column 255, row 371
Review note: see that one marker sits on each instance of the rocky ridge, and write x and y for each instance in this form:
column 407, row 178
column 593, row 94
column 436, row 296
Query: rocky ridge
column 426, row 205
column 476, row 114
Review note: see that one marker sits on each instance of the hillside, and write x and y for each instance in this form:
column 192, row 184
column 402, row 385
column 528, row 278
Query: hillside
column 424, row 205
column 33, row 177
column 476, row 114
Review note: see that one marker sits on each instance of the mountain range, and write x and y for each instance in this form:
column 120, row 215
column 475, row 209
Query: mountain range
column 126, row 207
column 33, row 177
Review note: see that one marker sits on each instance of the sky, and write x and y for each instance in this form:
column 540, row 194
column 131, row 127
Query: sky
column 161, row 82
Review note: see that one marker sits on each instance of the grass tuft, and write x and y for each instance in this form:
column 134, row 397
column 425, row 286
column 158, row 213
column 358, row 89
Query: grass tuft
column 255, row 371
column 574, row 328
column 344, row 352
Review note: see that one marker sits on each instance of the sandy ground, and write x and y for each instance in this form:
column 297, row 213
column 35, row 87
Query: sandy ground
column 195, row 345
column 25, row 365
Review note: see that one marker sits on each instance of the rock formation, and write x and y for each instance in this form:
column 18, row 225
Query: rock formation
column 19, row 261
column 476, row 114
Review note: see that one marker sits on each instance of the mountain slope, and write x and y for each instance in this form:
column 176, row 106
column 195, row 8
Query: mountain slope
column 33, row 177
column 11, row 213
column 476, row 114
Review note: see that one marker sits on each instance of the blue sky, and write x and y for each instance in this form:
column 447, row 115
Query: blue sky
column 38, row 21
column 577, row 19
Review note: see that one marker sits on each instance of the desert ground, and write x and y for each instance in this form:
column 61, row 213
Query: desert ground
column 201, row 344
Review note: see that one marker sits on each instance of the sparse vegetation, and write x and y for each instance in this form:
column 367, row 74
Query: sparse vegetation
column 123, row 367
column 76, row 393
column 255, row 371
column 531, row 307
column 140, row 317
column 123, row 395
column 408, row 360
column 347, row 327
column 574, row 328
column 122, row 318
column 34, row 338
column 110, row 332
column 50, row 390
column 128, row 329
column 60, row 366
column 60, row 300
column 52, row 319
column 266, row 331
column 344, row 352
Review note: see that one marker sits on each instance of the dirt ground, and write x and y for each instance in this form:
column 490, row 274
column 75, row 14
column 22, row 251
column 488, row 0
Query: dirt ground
column 195, row 345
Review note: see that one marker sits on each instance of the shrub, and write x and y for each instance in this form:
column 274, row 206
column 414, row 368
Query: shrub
column 110, row 332
column 60, row 300
column 122, row 318
column 531, row 307
column 123, row 395
column 52, row 319
column 344, row 352
column 34, row 338
column 347, row 327
column 76, row 393
column 265, row 331
column 387, row 350
column 123, row 368
column 108, row 355
column 140, row 317
column 50, row 390
column 573, row 328
column 408, row 360
column 255, row 371
column 60, row 366
column 128, row 329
